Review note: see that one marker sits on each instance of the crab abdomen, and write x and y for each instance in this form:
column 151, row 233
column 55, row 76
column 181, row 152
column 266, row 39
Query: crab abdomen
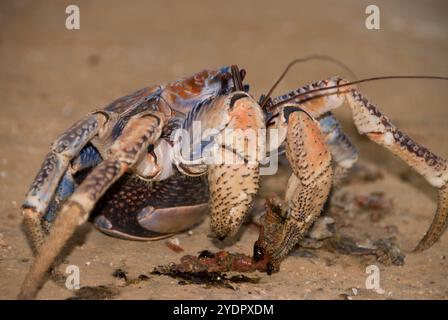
column 138, row 210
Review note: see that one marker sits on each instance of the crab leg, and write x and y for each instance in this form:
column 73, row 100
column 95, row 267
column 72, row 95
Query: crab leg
column 125, row 153
column 371, row 122
column 66, row 147
column 88, row 158
column 233, row 173
column 343, row 152
column 307, row 190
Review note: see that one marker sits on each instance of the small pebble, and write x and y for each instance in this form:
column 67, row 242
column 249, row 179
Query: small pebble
column 88, row 263
column 380, row 291
column 175, row 241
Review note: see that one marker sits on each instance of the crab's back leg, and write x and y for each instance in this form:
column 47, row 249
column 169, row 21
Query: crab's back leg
column 125, row 152
column 371, row 122
column 88, row 158
column 66, row 147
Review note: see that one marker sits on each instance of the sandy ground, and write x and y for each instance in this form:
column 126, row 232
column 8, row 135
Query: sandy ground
column 50, row 77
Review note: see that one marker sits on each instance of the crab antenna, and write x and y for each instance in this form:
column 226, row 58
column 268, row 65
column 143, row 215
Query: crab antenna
column 295, row 61
column 294, row 97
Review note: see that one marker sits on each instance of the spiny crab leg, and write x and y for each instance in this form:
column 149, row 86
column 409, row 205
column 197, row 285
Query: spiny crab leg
column 307, row 190
column 343, row 153
column 66, row 147
column 371, row 122
column 233, row 174
column 124, row 154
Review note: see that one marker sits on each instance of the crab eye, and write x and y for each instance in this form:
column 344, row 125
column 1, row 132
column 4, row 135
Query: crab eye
column 226, row 77
column 225, row 83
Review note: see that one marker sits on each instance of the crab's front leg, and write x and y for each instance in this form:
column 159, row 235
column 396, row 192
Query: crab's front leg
column 307, row 190
column 234, row 179
column 233, row 125
column 234, row 174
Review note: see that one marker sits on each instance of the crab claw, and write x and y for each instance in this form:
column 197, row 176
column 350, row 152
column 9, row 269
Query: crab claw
column 286, row 222
column 232, row 190
column 233, row 169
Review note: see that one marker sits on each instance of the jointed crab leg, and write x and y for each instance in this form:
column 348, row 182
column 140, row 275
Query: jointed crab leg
column 342, row 150
column 125, row 153
column 66, row 147
column 88, row 158
column 308, row 189
column 371, row 122
column 233, row 184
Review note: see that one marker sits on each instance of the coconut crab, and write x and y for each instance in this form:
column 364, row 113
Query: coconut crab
column 122, row 164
